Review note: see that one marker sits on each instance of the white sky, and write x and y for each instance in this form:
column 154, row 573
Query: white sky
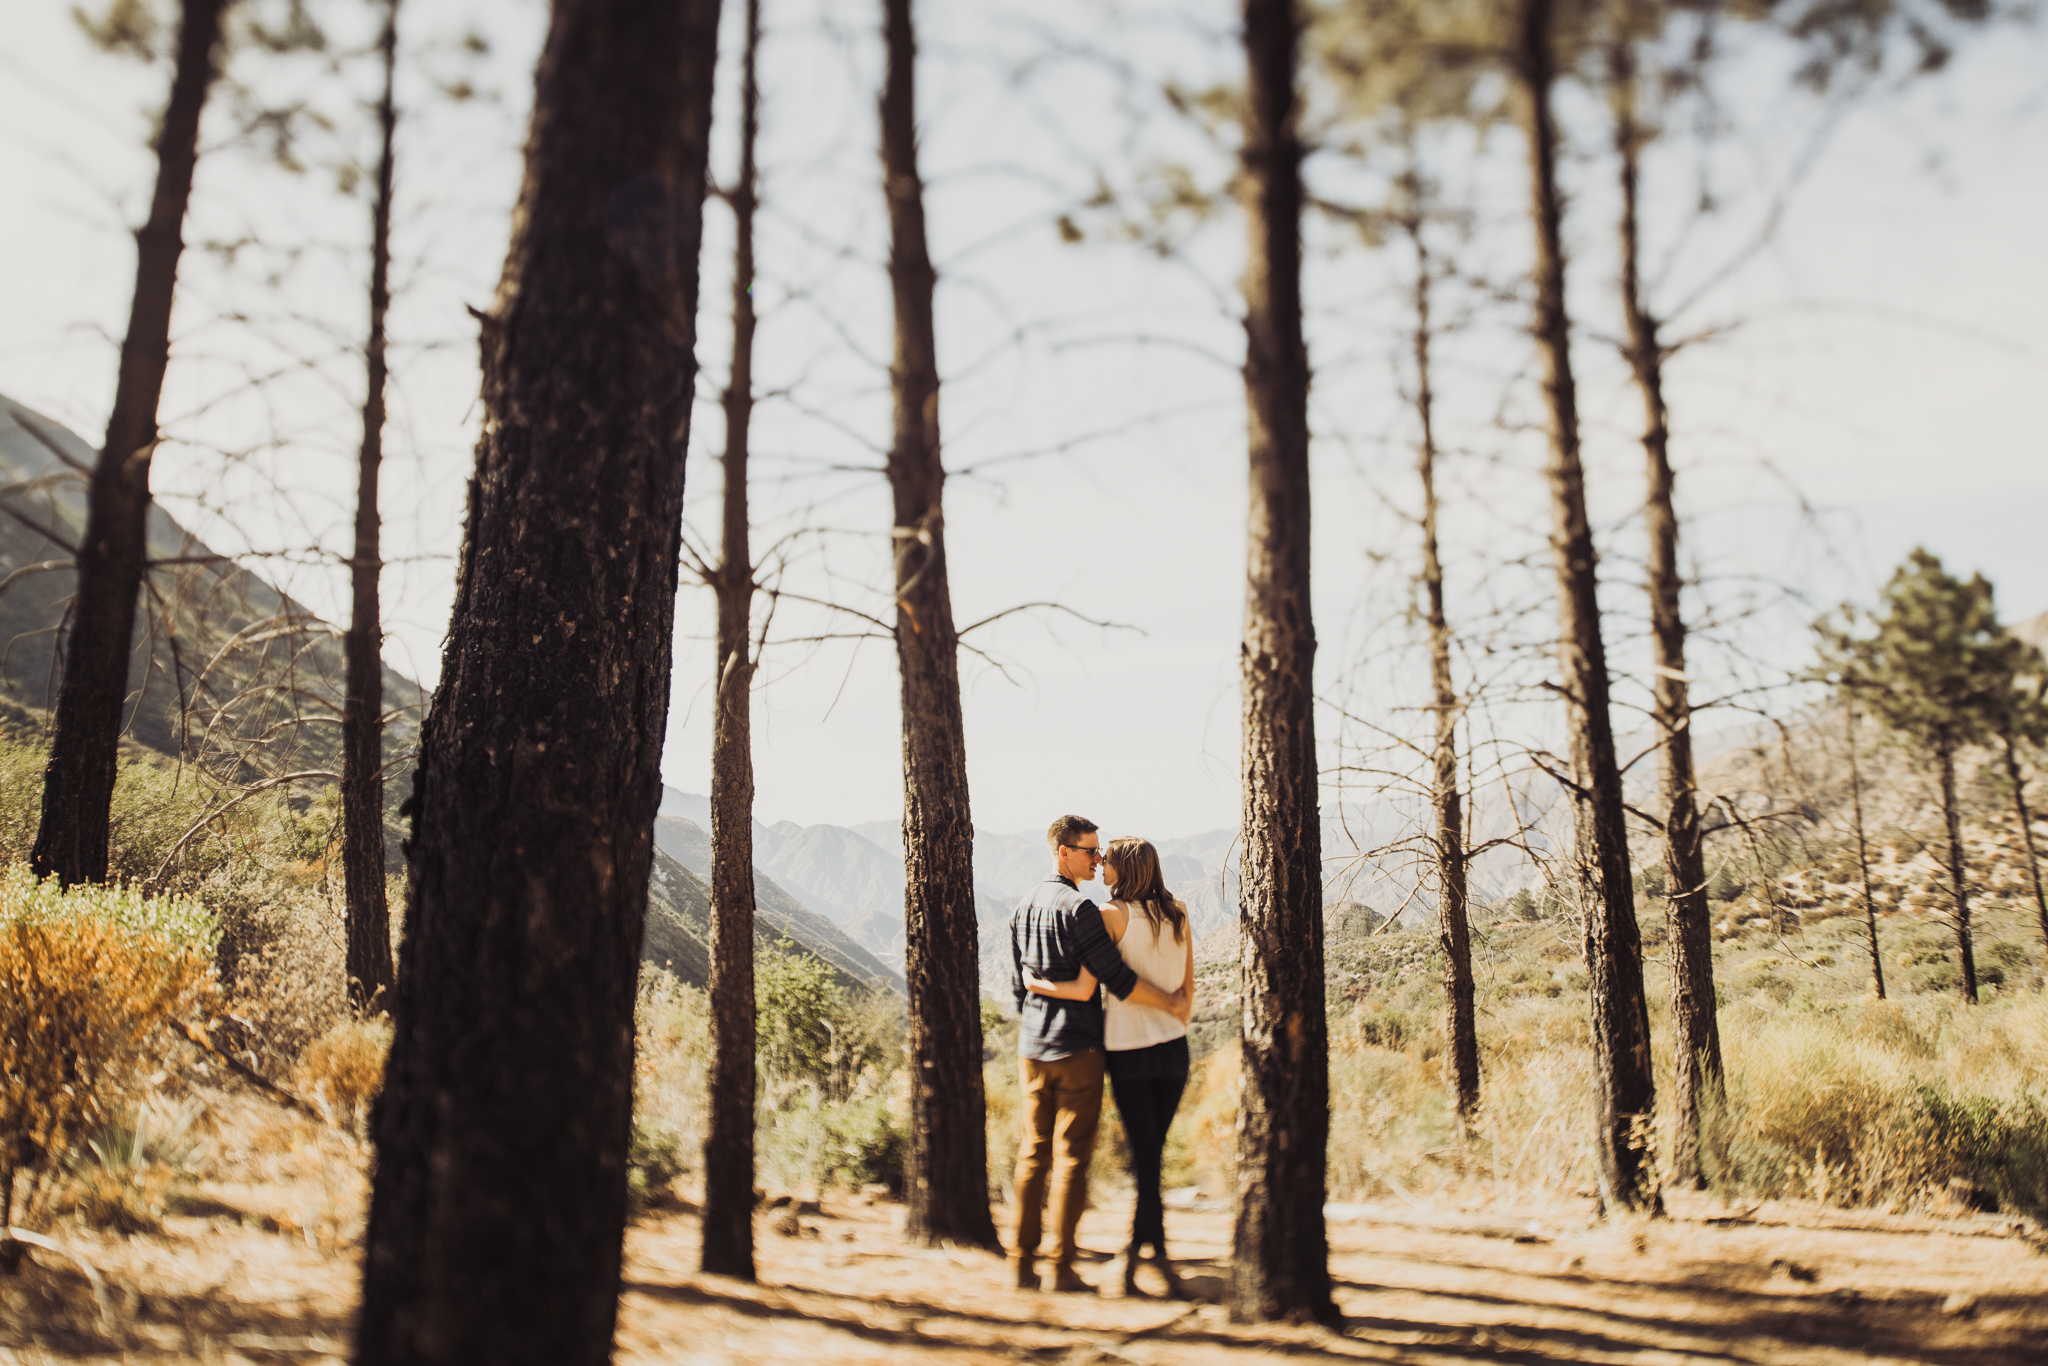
column 1883, row 359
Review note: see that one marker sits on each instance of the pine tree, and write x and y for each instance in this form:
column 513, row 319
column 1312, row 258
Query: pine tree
column 371, row 974
column 728, row 1220
column 499, row 1201
column 1280, row 1266
column 2019, row 716
column 1614, row 950
column 78, row 783
column 948, row 1177
column 1932, row 671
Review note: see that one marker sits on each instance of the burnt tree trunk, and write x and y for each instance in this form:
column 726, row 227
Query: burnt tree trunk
column 948, row 1164
column 1952, row 819
column 370, row 974
column 1695, row 1023
column 728, row 1221
column 1280, row 1258
column 1614, row 955
column 500, row 1194
column 1863, row 858
column 2019, row 805
column 1454, row 934
column 78, row 783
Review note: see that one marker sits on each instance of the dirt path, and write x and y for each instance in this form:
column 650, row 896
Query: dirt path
column 1547, row 1285
column 1414, row 1286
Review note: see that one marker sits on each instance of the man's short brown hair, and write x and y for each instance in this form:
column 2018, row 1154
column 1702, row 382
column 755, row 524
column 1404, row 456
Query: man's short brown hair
column 1067, row 829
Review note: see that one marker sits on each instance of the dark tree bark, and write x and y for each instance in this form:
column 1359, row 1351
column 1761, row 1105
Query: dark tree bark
column 728, row 1221
column 948, row 1164
column 1280, row 1261
column 1863, row 857
column 1454, row 933
column 370, row 973
column 1952, row 818
column 1695, row 1023
column 1614, row 955
column 500, row 1194
column 78, row 783
column 2019, row 805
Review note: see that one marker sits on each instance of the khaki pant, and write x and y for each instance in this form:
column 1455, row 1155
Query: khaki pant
column 1062, row 1107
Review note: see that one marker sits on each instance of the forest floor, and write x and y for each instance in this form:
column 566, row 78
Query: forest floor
column 263, row 1265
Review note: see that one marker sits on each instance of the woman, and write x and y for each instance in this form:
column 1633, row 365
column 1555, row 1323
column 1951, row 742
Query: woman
column 1146, row 1048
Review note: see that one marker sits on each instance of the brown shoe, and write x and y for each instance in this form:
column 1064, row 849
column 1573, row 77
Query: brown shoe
column 1023, row 1272
column 1065, row 1282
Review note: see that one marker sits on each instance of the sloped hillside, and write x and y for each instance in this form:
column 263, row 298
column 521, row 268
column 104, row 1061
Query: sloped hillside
column 231, row 673
column 225, row 669
column 678, row 936
column 776, row 912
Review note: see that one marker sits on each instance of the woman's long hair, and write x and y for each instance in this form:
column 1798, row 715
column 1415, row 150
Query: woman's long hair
column 1138, row 882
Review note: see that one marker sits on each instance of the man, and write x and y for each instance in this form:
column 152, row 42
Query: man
column 1056, row 932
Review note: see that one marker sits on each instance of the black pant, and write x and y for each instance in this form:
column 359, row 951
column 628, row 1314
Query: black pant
column 1148, row 1083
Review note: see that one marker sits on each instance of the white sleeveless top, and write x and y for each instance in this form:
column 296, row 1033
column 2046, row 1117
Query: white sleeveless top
column 1155, row 955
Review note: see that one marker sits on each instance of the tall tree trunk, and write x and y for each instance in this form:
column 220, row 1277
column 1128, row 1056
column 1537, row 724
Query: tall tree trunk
column 370, row 974
column 1863, row 857
column 500, row 1193
column 1280, row 1264
column 1614, row 955
column 948, row 1167
column 78, row 783
column 1695, row 1026
column 1454, row 935
column 1952, row 818
column 728, row 1221
column 2019, row 805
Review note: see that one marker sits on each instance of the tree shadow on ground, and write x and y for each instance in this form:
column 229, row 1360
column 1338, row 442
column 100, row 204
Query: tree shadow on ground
column 1743, row 1326
column 55, row 1309
column 1887, row 1325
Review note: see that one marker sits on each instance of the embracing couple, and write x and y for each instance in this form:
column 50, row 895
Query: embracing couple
column 1140, row 953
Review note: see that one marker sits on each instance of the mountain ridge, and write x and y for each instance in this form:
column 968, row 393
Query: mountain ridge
column 257, row 641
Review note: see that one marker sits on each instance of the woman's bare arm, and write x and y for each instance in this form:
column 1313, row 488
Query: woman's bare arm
column 1116, row 918
column 1080, row 989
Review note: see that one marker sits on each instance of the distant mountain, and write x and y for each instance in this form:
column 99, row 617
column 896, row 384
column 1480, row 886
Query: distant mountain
column 217, row 642
column 2034, row 631
column 212, row 639
column 690, row 845
column 854, row 874
column 678, row 935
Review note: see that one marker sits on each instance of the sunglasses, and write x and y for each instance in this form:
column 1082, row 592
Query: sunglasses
column 1093, row 852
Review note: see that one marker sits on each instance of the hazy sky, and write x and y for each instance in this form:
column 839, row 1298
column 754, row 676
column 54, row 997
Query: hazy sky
column 1872, row 378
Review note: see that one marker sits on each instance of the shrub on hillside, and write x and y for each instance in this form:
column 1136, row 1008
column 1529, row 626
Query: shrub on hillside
column 343, row 1070
column 255, row 863
column 135, row 1170
column 670, row 1056
column 88, row 979
column 1887, row 1105
column 654, row 1159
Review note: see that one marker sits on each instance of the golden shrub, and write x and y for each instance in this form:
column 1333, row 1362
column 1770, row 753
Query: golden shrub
column 343, row 1069
column 87, row 980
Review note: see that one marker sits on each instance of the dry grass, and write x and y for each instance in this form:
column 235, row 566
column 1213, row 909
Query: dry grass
column 343, row 1070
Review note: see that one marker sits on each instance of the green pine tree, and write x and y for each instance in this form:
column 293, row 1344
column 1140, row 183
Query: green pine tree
column 1935, row 669
column 2019, row 718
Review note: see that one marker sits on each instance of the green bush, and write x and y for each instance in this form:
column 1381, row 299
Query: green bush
column 1998, row 1146
column 654, row 1159
column 865, row 1143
